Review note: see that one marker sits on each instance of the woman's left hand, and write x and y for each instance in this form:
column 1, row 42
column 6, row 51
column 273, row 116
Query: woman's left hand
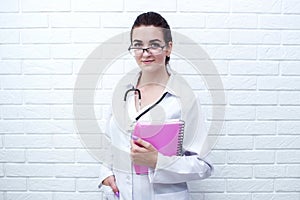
column 143, row 153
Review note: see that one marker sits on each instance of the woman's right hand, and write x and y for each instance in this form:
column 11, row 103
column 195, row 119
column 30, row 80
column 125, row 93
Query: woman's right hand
column 111, row 182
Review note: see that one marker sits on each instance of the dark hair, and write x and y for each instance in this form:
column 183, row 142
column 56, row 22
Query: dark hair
column 153, row 19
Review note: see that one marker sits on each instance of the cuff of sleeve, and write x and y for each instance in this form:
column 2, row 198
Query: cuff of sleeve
column 103, row 176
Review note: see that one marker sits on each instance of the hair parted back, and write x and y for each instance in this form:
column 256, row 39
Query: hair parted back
column 156, row 20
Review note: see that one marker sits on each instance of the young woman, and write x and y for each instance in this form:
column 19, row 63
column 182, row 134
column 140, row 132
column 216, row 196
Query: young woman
column 151, row 46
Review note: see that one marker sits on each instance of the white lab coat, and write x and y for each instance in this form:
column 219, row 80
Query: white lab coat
column 169, row 179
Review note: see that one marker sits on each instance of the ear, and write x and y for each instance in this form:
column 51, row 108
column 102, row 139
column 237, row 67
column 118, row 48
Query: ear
column 169, row 48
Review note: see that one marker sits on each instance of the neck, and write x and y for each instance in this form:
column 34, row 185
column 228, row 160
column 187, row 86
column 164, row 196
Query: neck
column 159, row 77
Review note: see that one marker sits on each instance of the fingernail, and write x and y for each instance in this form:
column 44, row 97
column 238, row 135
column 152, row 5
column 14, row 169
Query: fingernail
column 117, row 194
column 134, row 137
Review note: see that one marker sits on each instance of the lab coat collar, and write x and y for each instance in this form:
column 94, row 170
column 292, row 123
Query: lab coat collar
column 170, row 86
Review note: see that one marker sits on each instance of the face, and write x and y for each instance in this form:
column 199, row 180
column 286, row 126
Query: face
column 150, row 36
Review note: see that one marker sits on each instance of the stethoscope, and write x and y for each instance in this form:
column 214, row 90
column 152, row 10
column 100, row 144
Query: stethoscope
column 133, row 89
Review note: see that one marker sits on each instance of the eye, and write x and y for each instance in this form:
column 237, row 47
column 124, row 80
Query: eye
column 155, row 45
column 137, row 45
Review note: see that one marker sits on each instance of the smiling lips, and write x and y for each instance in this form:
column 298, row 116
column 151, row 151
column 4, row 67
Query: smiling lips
column 147, row 61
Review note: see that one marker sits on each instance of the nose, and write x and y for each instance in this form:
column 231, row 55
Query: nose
column 146, row 50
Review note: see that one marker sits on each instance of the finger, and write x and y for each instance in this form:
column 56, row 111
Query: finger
column 114, row 186
column 144, row 144
column 136, row 148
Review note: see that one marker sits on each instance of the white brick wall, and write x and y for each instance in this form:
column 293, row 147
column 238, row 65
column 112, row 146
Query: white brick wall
column 255, row 46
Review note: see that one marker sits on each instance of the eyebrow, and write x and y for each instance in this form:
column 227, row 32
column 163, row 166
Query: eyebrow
column 154, row 40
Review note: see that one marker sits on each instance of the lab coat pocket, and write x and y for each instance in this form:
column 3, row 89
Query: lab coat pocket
column 108, row 194
column 183, row 195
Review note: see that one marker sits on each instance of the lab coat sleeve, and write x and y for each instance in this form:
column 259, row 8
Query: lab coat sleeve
column 177, row 169
column 106, row 168
column 194, row 164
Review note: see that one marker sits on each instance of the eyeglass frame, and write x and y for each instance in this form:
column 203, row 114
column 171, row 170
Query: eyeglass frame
column 145, row 49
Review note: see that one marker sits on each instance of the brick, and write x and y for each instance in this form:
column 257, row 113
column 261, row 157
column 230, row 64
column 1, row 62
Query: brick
column 29, row 170
column 94, row 5
column 255, row 37
column 29, row 196
column 235, row 196
column 118, row 20
column 250, row 128
column 23, row 20
column 26, row 82
column 74, row 20
column 270, row 171
column 46, row 67
column 26, row 112
column 76, row 170
column 10, row 67
column 203, row 6
column 9, row 6
column 66, row 141
column 287, row 22
column 234, row 142
column 77, row 196
column 50, row 156
column 277, row 142
column 233, row 52
column 290, row 37
column 24, row 51
column 276, row 196
column 287, row 185
column 28, row 141
column 278, row 83
column 252, row 98
column 278, row 113
column 286, row 127
column 250, row 185
column 48, row 5
column 278, row 52
column 288, row 156
column 95, row 35
column 84, row 156
column 232, row 171
column 55, row 184
column 236, row 113
column 72, row 51
column 92, row 67
column 12, row 184
column 11, row 97
column 11, row 126
column 184, row 20
column 251, row 157
column 205, row 36
column 207, row 185
column 48, row 97
column 9, row 36
column 292, row 171
column 290, row 6
column 167, row 5
column 12, row 155
column 47, row 126
column 1, row 171
column 66, row 112
column 87, row 185
column 256, row 6
column 253, row 67
column 45, row 36
column 290, row 68
column 241, row 21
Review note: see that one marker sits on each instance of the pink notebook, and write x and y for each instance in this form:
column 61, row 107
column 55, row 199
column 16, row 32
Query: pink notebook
column 167, row 138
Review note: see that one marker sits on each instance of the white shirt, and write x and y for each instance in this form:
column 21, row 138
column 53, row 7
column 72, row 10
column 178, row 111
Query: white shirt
column 169, row 178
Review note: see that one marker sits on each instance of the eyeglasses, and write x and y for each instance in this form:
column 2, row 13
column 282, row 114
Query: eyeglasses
column 154, row 49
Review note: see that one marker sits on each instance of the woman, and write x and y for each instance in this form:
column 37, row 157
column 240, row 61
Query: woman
column 151, row 46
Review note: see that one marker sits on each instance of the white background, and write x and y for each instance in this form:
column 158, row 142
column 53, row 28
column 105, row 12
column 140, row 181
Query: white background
column 255, row 46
